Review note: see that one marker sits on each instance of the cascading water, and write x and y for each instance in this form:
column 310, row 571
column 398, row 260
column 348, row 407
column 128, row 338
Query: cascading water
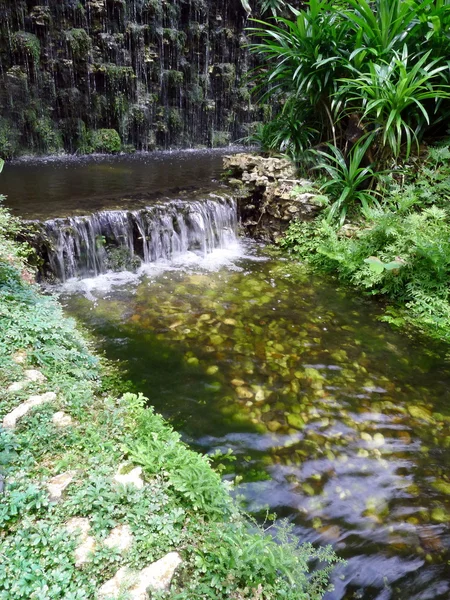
column 89, row 245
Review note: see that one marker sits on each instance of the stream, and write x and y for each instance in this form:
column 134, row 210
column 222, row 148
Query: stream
column 338, row 423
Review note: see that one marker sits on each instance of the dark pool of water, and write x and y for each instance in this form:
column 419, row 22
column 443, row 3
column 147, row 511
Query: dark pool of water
column 338, row 423
column 58, row 187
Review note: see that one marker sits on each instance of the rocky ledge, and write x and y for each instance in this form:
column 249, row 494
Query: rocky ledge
column 270, row 194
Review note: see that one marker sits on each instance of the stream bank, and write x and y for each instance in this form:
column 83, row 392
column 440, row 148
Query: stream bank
column 100, row 497
column 319, row 401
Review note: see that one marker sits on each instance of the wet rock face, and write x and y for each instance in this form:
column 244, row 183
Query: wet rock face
column 158, row 73
column 270, row 194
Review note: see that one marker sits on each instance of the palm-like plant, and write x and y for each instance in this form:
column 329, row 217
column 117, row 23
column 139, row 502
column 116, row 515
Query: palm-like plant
column 349, row 181
column 381, row 27
column 391, row 96
column 291, row 132
column 303, row 57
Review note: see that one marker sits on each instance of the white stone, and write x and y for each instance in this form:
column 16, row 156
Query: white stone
column 9, row 422
column 58, row 484
column 156, row 576
column 17, row 386
column 133, row 477
column 61, row 419
column 84, row 550
column 34, row 375
column 159, row 574
column 88, row 543
column 120, row 582
column 120, row 538
column 78, row 524
column 20, row 357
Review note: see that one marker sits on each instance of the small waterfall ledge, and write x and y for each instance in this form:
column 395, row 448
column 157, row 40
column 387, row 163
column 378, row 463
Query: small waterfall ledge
column 117, row 240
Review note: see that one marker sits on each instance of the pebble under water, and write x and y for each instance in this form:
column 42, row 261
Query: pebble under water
column 338, row 423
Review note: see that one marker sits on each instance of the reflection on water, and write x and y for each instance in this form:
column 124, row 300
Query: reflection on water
column 80, row 185
column 337, row 422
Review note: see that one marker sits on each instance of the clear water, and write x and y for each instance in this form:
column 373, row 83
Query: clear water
column 338, row 423
column 59, row 187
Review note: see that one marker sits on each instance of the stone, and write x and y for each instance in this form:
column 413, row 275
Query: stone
column 237, row 382
column 61, row 419
column 20, row 357
column 295, row 421
column 270, row 194
column 439, row 515
column 34, row 375
column 120, row 538
column 156, row 576
column 10, row 420
column 133, row 477
column 79, row 523
column 58, row 484
column 273, row 426
column 244, row 393
column 418, row 412
column 88, row 543
column 17, row 386
column 115, row 586
column 442, row 486
column 83, row 551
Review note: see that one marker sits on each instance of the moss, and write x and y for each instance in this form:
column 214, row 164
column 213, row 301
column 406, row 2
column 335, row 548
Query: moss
column 174, row 78
column 175, row 120
column 220, row 138
column 27, row 44
column 9, row 139
column 153, row 6
column 79, row 43
column 173, row 36
column 49, row 139
column 106, row 140
column 227, row 71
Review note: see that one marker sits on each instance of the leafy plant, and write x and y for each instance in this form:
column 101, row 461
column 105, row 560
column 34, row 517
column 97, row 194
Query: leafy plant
column 302, row 58
column 401, row 250
column 391, row 98
column 349, row 180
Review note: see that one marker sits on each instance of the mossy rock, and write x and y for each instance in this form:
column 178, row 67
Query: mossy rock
column 106, row 140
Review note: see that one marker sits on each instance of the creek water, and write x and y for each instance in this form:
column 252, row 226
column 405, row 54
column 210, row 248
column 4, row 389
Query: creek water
column 337, row 422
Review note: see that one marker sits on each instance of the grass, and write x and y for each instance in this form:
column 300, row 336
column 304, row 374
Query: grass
column 183, row 506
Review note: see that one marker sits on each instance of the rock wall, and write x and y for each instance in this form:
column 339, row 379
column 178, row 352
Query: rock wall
column 160, row 73
column 270, row 194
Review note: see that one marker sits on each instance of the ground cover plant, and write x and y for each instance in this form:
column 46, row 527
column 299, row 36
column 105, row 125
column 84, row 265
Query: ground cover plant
column 183, row 506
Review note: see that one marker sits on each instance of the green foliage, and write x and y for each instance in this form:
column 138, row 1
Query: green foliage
column 392, row 95
column 355, row 68
column 160, row 451
column 28, row 44
column 79, row 43
column 401, row 250
column 348, row 179
column 48, row 139
column 302, row 58
column 230, row 559
column 121, row 259
column 184, row 503
column 106, row 140
column 289, row 133
column 9, row 139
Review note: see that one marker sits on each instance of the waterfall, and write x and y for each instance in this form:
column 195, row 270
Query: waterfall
column 90, row 245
